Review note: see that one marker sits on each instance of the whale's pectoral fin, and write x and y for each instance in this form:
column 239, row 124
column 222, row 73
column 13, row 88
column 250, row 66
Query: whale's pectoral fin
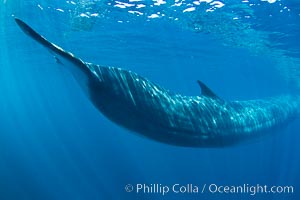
column 205, row 91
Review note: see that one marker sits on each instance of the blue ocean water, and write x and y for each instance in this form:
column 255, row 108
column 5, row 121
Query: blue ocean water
column 55, row 145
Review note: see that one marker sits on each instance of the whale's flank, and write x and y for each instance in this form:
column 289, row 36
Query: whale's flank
column 144, row 107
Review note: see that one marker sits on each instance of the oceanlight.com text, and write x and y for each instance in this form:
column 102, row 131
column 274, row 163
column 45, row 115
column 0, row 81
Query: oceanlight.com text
column 248, row 189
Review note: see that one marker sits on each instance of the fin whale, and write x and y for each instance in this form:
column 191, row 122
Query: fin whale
column 144, row 107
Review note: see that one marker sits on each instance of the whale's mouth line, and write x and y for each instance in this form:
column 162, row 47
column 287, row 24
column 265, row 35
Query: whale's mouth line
column 190, row 121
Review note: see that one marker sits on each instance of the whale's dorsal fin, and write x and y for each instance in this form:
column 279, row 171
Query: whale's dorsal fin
column 205, row 91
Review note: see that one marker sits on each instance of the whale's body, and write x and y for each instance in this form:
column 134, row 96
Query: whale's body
column 139, row 105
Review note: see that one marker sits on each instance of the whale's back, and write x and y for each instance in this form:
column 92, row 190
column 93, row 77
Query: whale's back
column 144, row 107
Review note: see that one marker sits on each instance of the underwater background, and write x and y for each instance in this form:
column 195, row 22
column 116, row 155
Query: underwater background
column 55, row 145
